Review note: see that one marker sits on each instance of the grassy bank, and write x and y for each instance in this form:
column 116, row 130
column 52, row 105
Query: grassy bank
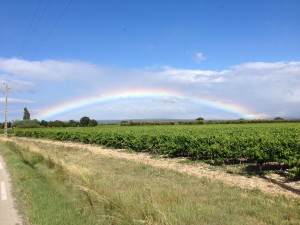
column 60, row 185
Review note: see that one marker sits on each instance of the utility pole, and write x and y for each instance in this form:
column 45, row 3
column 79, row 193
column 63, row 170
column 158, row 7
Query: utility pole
column 6, row 110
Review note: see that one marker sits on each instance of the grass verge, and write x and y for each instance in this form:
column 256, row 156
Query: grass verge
column 37, row 198
column 63, row 185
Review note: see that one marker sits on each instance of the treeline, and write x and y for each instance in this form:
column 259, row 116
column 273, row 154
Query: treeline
column 202, row 121
column 146, row 123
column 84, row 122
column 239, row 121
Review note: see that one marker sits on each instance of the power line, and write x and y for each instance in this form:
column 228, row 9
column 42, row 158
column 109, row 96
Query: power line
column 55, row 24
column 40, row 18
column 31, row 29
column 27, row 39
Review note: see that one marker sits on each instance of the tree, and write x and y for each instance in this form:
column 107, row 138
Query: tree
column 26, row 123
column 56, row 123
column 26, row 115
column 84, row 121
column 93, row 123
column 200, row 120
column 44, row 123
column 73, row 123
column 278, row 118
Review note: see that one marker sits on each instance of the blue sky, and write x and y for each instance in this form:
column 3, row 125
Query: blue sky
column 151, row 59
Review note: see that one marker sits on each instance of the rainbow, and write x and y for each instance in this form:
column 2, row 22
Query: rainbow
column 133, row 94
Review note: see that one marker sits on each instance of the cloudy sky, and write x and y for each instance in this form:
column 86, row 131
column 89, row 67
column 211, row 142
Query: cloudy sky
column 142, row 59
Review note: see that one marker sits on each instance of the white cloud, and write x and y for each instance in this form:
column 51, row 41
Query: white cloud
column 16, row 100
column 199, row 57
column 20, row 86
column 265, row 88
column 270, row 68
column 253, row 82
column 191, row 76
column 48, row 69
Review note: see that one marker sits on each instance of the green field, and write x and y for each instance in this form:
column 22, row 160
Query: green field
column 259, row 143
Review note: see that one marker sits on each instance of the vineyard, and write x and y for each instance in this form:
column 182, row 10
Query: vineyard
column 260, row 143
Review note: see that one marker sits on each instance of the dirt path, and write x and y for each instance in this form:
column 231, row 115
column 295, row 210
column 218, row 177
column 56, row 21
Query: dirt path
column 271, row 184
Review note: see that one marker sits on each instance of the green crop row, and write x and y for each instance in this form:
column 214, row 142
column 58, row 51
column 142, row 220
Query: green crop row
column 255, row 142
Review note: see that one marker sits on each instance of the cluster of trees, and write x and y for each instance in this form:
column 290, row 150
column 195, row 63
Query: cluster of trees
column 84, row 122
column 28, row 123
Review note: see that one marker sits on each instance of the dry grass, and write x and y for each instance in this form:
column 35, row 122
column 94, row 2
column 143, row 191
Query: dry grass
column 200, row 170
column 110, row 190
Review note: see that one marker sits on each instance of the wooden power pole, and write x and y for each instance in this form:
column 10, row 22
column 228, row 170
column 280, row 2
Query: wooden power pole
column 6, row 110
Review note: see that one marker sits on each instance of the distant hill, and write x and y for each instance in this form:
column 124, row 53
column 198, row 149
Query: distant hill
column 109, row 121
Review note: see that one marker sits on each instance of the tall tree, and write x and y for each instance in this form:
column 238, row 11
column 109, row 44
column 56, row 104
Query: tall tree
column 84, row 121
column 26, row 115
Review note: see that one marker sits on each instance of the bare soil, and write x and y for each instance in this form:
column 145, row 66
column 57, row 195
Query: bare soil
column 272, row 183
